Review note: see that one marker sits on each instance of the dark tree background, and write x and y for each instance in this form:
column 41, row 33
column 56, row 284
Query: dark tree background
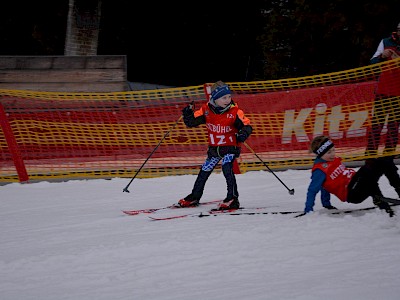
column 181, row 44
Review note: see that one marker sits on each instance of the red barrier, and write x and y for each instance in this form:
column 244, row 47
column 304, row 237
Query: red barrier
column 13, row 146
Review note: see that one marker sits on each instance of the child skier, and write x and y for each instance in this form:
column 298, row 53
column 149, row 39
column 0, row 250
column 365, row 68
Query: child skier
column 330, row 176
column 227, row 127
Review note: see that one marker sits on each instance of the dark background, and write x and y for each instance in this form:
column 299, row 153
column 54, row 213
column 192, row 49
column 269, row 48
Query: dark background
column 182, row 44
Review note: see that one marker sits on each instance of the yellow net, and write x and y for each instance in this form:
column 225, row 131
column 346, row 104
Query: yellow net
column 101, row 135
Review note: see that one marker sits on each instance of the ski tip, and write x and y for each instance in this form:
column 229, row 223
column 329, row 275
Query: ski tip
column 169, row 218
column 131, row 213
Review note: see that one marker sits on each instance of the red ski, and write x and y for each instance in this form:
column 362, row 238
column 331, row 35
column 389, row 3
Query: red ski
column 173, row 206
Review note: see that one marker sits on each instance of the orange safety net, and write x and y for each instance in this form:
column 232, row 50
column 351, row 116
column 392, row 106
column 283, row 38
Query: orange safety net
column 102, row 135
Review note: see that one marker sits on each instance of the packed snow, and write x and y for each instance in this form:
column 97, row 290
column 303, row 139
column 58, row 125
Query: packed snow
column 70, row 240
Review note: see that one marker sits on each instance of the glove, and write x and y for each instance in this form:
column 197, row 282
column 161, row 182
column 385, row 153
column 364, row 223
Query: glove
column 330, row 207
column 241, row 136
column 389, row 54
column 244, row 133
column 187, row 111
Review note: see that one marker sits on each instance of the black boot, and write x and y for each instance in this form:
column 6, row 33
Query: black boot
column 227, row 204
column 377, row 200
column 189, row 201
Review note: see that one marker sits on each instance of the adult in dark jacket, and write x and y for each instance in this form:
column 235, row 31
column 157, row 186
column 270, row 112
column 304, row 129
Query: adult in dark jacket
column 386, row 105
column 387, row 97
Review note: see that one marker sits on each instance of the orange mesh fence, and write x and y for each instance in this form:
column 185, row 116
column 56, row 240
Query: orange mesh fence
column 99, row 135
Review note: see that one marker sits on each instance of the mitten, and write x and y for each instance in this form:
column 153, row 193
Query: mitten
column 330, row 207
column 244, row 133
column 241, row 136
column 187, row 111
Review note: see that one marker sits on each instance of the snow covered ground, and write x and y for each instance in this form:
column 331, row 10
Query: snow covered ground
column 70, row 240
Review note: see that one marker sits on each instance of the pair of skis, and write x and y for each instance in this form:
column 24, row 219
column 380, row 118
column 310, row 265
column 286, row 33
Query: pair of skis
column 188, row 211
column 255, row 211
column 239, row 211
column 232, row 212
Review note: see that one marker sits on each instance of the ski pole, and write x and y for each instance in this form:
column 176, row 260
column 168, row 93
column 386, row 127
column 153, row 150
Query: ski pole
column 291, row 191
column 154, row 150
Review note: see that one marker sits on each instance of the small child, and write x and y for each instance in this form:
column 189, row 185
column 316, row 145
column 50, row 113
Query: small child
column 227, row 127
column 330, row 176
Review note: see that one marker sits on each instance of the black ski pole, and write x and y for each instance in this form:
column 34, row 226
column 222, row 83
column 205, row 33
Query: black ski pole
column 291, row 191
column 154, row 150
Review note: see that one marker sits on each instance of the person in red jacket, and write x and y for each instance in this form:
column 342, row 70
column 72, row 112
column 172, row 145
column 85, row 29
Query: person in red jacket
column 227, row 127
column 386, row 106
column 387, row 97
column 330, row 176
